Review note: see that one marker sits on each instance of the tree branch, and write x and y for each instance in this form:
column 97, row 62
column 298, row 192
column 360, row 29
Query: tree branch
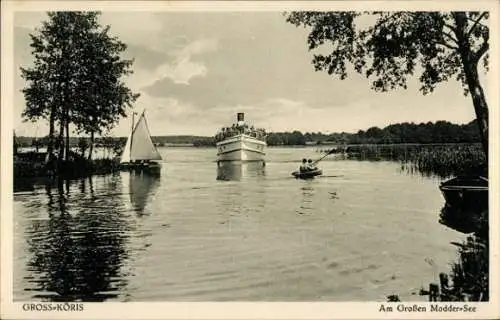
column 481, row 51
column 470, row 19
column 450, row 37
column 443, row 43
column 476, row 23
column 452, row 28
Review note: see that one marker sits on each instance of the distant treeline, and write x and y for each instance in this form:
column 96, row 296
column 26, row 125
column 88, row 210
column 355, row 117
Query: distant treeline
column 438, row 132
column 106, row 141
column 197, row 141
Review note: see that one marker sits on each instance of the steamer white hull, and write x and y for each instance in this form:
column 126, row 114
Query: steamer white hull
column 241, row 148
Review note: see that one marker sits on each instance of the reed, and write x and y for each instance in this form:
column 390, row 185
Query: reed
column 444, row 160
column 75, row 168
column 468, row 279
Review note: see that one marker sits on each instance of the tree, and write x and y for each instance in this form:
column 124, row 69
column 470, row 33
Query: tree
column 387, row 47
column 82, row 145
column 296, row 138
column 15, row 144
column 76, row 77
column 274, row 139
column 36, row 143
column 105, row 96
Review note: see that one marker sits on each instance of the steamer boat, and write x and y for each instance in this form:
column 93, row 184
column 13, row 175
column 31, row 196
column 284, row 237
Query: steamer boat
column 241, row 142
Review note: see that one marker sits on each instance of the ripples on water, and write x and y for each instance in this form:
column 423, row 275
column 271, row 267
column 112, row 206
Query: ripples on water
column 198, row 232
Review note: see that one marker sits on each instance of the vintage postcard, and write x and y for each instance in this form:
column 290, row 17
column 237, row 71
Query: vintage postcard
column 250, row 160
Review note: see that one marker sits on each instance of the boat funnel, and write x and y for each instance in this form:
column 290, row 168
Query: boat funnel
column 241, row 116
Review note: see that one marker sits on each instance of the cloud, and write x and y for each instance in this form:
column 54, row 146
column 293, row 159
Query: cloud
column 177, row 66
column 198, row 47
column 169, row 116
column 184, row 68
column 158, row 54
column 146, row 58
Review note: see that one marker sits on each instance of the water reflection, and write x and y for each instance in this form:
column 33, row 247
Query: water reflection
column 461, row 220
column 229, row 171
column 142, row 185
column 463, row 211
column 306, row 205
column 78, row 251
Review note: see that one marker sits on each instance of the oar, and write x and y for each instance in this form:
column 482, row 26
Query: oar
column 328, row 153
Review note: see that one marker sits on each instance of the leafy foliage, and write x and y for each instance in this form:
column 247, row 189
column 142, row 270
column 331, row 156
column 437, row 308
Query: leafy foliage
column 387, row 46
column 104, row 94
column 286, row 138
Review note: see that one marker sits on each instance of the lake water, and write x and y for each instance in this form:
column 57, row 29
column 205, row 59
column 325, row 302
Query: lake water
column 362, row 231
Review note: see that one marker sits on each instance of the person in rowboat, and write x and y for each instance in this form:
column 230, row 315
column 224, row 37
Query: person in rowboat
column 304, row 167
column 311, row 166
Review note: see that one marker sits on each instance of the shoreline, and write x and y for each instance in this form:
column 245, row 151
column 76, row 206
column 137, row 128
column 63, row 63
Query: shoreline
column 28, row 163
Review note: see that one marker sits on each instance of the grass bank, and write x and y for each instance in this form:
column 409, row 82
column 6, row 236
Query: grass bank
column 32, row 165
column 443, row 160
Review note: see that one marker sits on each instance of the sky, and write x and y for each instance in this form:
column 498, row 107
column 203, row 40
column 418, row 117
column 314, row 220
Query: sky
column 196, row 70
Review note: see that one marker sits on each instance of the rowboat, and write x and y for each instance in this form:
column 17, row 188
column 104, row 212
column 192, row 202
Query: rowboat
column 140, row 153
column 240, row 142
column 466, row 192
column 307, row 174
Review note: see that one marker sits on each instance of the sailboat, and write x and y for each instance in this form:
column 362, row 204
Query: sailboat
column 140, row 153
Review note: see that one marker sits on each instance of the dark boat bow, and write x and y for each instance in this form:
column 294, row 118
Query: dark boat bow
column 466, row 192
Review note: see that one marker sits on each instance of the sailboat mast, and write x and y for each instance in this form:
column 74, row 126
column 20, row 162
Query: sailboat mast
column 132, row 133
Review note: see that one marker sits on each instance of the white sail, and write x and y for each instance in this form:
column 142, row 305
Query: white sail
column 139, row 144
column 126, row 152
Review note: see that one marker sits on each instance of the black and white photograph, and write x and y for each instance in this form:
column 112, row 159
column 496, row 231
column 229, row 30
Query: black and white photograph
column 258, row 152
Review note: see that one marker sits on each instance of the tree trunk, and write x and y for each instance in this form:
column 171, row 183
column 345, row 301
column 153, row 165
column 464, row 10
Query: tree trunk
column 91, row 147
column 67, row 135
column 15, row 144
column 480, row 104
column 50, row 144
column 469, row 62
column 61, row 145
